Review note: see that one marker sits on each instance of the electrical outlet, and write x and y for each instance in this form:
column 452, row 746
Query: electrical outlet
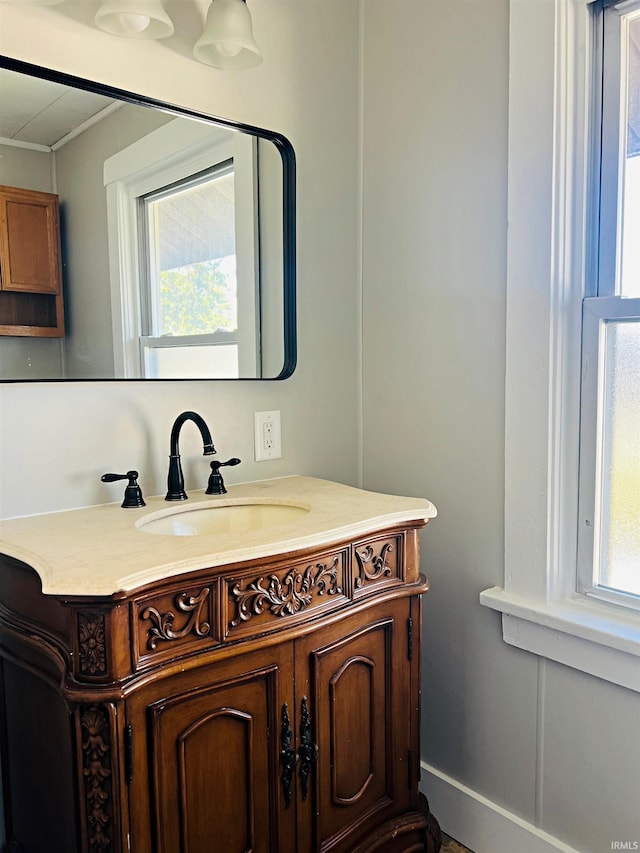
column 268, row 438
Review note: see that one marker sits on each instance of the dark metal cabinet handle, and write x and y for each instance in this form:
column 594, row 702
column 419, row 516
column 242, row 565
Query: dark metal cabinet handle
column 288, row 755
column 308, row 749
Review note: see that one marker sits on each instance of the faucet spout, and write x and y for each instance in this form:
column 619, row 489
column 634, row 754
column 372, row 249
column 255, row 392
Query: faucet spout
column 175, row 478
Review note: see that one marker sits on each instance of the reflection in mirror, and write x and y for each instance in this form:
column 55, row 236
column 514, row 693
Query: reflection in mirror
column 176, row 237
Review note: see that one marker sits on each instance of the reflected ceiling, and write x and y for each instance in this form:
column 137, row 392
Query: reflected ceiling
column 43, row 112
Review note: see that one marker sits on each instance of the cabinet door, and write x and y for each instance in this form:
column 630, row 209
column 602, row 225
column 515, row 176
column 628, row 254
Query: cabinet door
column 354, row 682
column 29, row 241
column 207, row 759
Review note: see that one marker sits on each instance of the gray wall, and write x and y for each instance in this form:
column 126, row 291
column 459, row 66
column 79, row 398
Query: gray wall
column 556, row 747
column 80, row 178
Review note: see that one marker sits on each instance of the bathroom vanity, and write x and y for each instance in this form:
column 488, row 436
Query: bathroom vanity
column 253, row 686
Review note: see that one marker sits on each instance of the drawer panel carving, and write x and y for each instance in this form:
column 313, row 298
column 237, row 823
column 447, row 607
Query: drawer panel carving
column 173, row 623
column 376, row 562
column 288, row 593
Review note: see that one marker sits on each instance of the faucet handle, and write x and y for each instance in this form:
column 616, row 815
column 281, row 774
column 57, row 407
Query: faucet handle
column 132, row 493
column 216, row 483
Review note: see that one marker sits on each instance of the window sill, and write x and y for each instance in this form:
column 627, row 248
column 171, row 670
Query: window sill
column 583, row 635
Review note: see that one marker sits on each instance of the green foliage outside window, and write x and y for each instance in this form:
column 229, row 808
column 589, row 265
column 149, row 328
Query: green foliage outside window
column 196, row 299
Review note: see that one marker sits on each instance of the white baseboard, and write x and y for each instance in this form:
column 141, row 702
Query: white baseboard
column 480, row 824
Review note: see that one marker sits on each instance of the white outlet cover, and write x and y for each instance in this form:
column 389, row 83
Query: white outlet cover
column 273, row 448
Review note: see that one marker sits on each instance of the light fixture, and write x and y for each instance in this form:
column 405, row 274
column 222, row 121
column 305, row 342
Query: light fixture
column 32, row 2
column 143, row 19
column 227, row 40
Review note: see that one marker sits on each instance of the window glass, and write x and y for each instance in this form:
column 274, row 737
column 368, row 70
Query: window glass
column 180, row 362
column 192, row 286
column 630, row 260
column 619, row 563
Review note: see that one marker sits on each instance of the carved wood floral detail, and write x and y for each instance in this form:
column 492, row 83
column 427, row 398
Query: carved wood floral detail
column 372, row 566
column 93, row 650
column 162, row 623
column 285, row 597
column 96, row 769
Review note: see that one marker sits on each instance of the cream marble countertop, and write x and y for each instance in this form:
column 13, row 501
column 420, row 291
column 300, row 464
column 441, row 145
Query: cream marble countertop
column 100, row 550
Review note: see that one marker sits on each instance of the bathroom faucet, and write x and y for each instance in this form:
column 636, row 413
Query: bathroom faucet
column 216, row 484
column 175, row 479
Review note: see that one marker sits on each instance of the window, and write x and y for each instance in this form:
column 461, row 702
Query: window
column 609, row 511
column 182, row 207
column 568, row 499
column 188, row 277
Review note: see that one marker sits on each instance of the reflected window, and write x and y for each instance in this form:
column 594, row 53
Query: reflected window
column 189, row 288
column 186, row 248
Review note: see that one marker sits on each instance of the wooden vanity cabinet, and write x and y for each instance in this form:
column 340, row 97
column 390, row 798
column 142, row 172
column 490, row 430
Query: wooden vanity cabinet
column 270, row 706
column 31, row 302
column 206, row 758
column 359, row 683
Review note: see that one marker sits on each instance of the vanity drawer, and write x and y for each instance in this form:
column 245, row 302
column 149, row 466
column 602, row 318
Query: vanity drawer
column 286, row 593
column 377, row 562
column 180, row 620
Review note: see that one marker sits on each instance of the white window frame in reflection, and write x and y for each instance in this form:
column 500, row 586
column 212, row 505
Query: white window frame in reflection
column 166, row 156
column 211, row 353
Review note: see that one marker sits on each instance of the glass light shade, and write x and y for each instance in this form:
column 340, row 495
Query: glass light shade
column 143, row 19
column 32, row 2
column 227, row 40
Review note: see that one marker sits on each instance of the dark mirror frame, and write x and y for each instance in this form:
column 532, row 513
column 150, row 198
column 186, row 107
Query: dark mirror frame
column 288, row 205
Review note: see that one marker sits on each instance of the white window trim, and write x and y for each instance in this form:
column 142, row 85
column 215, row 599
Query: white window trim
column 549, row 84
column 149, row 343
column 169, row 154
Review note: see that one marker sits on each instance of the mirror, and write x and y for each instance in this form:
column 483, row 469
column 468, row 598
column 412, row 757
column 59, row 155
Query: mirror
column 177, row 236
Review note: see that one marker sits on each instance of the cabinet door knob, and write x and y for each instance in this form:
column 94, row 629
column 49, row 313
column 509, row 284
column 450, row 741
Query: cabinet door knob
column 308, row 749
column 288, row 755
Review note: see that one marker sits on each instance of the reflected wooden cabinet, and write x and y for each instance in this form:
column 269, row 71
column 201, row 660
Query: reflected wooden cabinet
column 31, row 302
column 270, row 706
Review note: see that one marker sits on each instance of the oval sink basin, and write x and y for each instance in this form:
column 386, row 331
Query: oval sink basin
column 217, row 518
